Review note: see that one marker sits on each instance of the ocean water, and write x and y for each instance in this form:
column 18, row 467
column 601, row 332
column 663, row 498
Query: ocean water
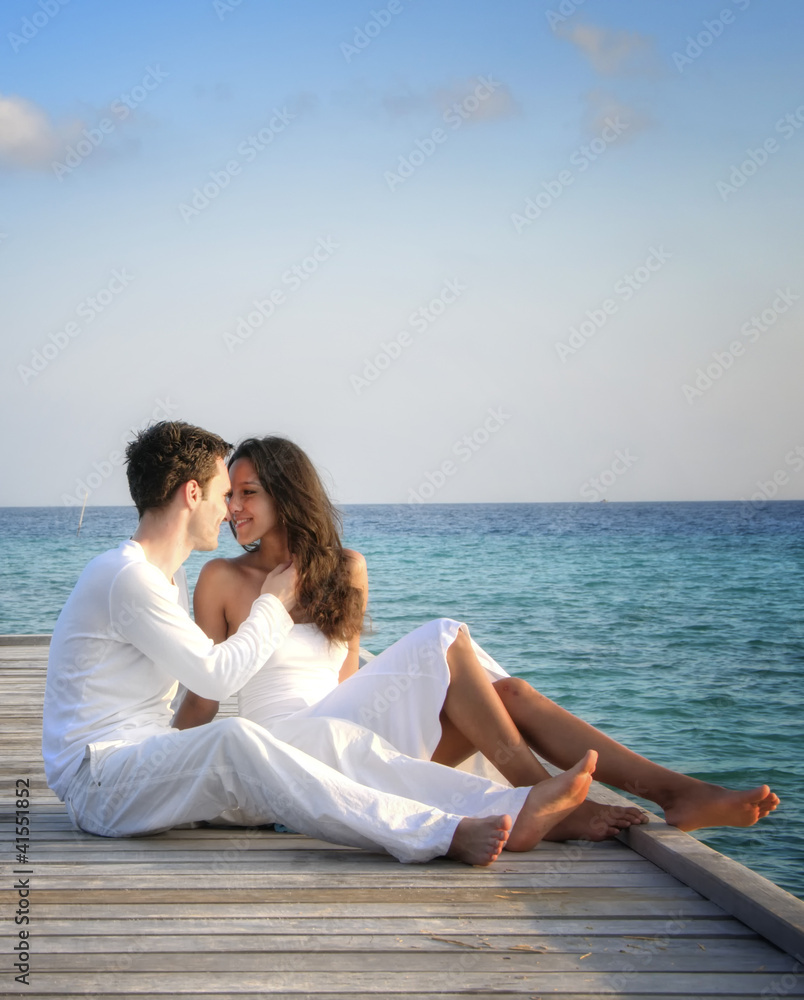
column 677, row 628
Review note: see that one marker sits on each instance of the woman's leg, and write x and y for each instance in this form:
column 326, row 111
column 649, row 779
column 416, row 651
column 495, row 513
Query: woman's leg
column 688, row 803
column 474, row 718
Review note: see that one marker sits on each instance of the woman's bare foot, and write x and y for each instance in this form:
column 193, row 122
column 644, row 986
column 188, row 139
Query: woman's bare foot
column 551, row 801
column 479, row 841
column 596, row 821
column 712, row 805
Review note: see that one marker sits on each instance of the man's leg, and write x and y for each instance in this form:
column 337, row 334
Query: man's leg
column 234, row 769
column 370, row 760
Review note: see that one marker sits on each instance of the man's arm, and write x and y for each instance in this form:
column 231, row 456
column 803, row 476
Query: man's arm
column 209, row 610
column 145, row 614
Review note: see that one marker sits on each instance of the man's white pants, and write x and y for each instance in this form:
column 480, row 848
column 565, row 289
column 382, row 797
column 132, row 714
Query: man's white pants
column 235, row 770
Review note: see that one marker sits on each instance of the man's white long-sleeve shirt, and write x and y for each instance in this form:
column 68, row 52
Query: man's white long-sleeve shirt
column 120, row 647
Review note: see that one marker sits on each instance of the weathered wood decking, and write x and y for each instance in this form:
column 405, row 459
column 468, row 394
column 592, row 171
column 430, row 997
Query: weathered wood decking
column 235, row 913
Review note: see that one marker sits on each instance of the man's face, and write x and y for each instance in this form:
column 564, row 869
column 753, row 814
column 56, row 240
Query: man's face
column 207, row 517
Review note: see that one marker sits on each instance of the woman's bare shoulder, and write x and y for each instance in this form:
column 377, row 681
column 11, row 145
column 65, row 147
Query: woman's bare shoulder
column 357, row 567
column 356, row 561
column 219, row 571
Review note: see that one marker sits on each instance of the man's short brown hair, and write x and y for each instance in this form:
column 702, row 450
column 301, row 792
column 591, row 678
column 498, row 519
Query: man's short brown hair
column 163, row 457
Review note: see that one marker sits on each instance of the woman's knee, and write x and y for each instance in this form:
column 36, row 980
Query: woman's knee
column 437, row 629
column 462, row 641
column 514, row 689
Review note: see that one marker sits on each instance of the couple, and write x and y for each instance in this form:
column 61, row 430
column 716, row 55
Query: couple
column 435, row 694
column 123, row 641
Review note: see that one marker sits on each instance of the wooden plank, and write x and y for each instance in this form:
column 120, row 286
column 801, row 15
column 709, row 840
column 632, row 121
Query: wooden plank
column 748, row 896
column 257, row 846
column 677, row 903
column 739, row 984
column 140, row 875
column 359, row 958
column 95, row 921
column 689, row 905
column 775, row 914
column 51, row 817
column 266, row 845
column 97, row 937
column 24, row 639
column 221, row 993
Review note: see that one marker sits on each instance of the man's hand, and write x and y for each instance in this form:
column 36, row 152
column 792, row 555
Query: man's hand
column 281, row 582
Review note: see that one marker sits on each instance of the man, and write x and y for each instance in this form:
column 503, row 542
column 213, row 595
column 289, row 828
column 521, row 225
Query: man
column 123, row 642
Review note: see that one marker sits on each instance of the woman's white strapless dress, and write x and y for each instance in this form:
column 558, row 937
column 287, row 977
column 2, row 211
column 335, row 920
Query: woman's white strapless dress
column 398, row 695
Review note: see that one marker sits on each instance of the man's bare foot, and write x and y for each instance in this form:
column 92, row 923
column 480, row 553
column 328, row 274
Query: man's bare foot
column 712, row 805
column 479, row 841
column 596, row 821
column 551, row 801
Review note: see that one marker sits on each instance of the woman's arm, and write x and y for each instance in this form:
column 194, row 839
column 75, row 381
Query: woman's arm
column 195, row 711
column 208, row 609
column 359, row 574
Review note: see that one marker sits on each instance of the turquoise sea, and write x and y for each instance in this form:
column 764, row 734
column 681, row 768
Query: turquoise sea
column 678, row 628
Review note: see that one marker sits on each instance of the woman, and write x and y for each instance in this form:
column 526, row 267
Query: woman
column 435, row 694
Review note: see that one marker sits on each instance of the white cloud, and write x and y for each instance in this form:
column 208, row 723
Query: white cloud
column 612, row 53
column 28, row 138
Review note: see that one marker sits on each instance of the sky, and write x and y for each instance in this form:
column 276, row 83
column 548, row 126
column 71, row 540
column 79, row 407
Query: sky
column 458, row 251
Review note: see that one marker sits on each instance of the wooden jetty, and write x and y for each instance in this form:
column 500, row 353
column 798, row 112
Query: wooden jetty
column 245, row 914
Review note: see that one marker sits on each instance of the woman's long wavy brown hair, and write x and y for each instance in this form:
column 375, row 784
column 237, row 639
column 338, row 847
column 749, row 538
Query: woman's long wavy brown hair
column 326, row 597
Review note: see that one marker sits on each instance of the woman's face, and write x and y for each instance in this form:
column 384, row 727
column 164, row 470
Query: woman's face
column 252, row 511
